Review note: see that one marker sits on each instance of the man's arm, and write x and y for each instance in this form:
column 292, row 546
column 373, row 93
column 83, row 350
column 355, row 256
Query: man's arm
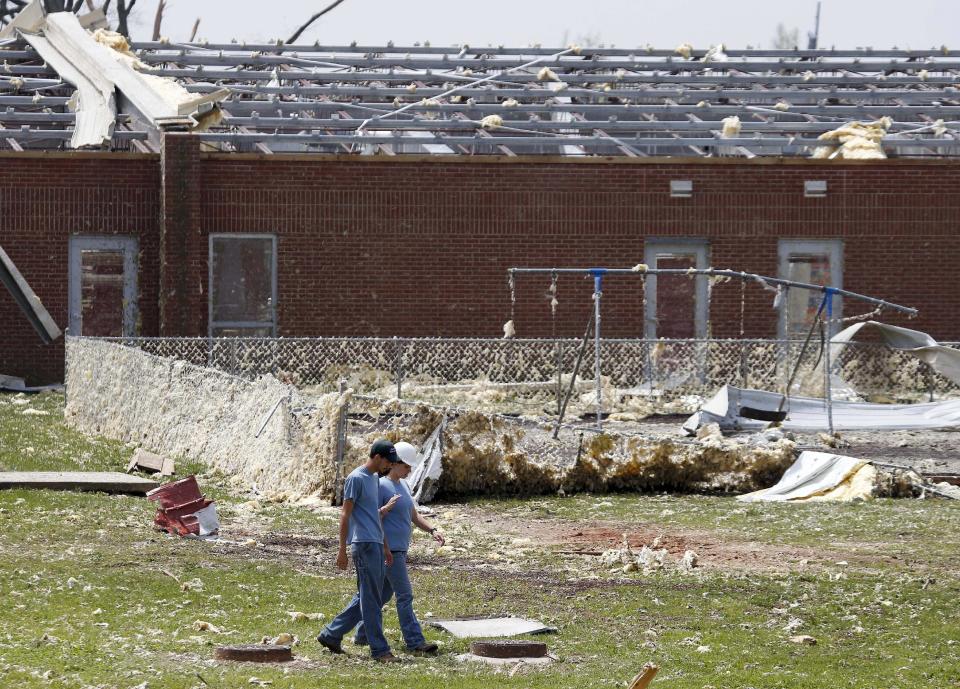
column 425, row 525
column 344, row 532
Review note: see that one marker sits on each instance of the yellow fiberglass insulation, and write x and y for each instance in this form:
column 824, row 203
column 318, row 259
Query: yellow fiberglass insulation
column 113, row 40
column 857, row 141
column 491, row 122
column 731, row 127
column 485, row 454
column 547, row 74
column 684, row 50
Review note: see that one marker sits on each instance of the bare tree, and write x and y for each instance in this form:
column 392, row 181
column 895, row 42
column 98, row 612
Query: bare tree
column 786, row 39
column 9, row 9
column 158, row 19
column 296, row 34
column 124, row 8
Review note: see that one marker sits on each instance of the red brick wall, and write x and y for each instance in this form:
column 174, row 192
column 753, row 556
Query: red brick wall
column 413, row 246
column 46, row 198
column 388, row 247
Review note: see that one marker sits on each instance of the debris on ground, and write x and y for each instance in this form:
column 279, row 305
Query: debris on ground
column 204, row 626
column 825, row 477
column 734, row 408
column 491, row 627
column 642, row 680
column 15, row 384
column 803, row 639
column 143, row 460
column 183, row 510
column 103, row 481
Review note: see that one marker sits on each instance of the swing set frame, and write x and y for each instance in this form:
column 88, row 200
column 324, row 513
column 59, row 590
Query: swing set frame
column 824, row 315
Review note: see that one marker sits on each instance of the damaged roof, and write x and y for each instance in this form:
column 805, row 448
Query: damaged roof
column 464, row 100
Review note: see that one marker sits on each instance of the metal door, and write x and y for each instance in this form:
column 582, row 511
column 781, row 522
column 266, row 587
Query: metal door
column 103, row 286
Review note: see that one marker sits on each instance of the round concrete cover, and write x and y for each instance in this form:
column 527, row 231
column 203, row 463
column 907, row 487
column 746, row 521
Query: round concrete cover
column 511, row 648
column 254, row 653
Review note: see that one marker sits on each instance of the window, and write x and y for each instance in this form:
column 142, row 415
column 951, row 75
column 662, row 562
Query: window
column 243, row 285
column 819, row 262
column 676, row 304
column 102, row 291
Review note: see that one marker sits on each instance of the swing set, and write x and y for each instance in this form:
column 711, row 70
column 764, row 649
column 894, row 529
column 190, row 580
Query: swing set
column 824, row 315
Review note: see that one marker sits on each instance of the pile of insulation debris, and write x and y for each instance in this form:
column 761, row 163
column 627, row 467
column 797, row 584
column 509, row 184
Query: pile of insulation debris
column 489, row 454
column 650, row 558
column 471, row 453
column 826, row 477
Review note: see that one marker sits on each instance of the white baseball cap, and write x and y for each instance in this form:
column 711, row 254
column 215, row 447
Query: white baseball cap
column 407, row 453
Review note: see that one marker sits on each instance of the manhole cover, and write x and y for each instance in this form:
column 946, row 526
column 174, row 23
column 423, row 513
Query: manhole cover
column 254, row 653
column 509, row 649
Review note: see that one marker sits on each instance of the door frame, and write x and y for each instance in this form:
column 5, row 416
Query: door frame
column 833, row 248
column 700, row 248
column 129, row 247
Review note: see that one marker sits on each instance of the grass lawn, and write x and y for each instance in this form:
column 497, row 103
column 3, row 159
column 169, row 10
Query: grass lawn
column 94, row 597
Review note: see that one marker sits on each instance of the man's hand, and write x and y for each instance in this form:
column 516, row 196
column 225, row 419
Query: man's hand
column 388, row 557
column 390, row 503
column 438, row 537
column 342, row 559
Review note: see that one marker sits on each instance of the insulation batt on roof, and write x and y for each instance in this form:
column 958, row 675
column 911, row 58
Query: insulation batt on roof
column 491, row 122
column 547, row 74
column 858, row 141
column 731, row 127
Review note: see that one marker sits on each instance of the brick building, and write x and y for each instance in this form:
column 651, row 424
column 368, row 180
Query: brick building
column 246, row 231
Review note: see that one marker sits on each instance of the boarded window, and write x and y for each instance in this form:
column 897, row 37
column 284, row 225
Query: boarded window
column 243, row 285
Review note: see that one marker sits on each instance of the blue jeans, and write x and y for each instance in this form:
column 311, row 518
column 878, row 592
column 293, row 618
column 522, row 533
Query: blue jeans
column 367, row 602
column 398, row 581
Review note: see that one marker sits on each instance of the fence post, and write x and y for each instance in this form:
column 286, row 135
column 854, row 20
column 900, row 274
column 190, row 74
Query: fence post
column 341, row 447
column 398, row 365
column 234, row 363
column 559, row 390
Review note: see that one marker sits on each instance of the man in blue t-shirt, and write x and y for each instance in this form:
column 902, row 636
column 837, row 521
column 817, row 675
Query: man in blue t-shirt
column 399, row 512
column 360, row 527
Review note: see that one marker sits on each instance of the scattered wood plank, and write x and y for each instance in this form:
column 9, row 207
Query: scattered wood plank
column 106, row 481
column 150, row 462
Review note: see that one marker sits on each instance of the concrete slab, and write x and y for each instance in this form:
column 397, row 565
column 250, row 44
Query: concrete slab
column 106, row 481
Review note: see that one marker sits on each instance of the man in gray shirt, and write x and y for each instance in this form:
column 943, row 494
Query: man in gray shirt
column 360, row 527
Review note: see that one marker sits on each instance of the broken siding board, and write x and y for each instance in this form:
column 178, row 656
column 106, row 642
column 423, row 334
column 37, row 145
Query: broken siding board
column 27, row 300
column 96, row 108
column 106, row 481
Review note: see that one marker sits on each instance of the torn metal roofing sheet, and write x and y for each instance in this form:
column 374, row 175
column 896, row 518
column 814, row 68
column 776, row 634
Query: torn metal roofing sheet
column 524, row 101
column 735, row 408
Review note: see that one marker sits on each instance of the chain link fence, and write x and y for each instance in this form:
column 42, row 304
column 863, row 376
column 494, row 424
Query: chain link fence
column 530, row 376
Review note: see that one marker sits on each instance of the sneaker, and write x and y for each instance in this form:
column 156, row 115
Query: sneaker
column 329, row 644
column 426, row 648
column 387, row 658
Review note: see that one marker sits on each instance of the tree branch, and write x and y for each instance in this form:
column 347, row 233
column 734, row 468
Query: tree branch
column 312, row 19
column 158, row 19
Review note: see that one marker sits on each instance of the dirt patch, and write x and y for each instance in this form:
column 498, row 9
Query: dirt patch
column 714, row 551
